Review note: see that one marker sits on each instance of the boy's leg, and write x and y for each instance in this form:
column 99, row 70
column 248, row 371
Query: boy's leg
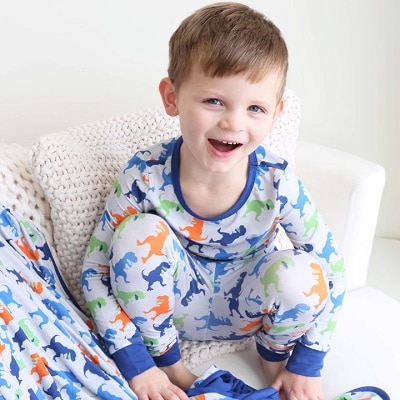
column 146, row 261
column 295, row 292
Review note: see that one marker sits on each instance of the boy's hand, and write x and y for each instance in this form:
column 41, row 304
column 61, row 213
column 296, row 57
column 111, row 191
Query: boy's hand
column 297, row 387
column 154, row 384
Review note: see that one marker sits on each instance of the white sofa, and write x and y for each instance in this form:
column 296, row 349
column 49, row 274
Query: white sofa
column 61, row 182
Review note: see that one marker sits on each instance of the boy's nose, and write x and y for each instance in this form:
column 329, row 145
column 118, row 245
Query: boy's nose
column 232, row 121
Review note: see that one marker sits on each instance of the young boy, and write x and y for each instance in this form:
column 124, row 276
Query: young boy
column 202, row 212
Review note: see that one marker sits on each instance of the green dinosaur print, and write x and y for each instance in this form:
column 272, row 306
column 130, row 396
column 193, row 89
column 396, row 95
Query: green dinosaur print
column 21, row 364
column 150, row 341
column 120, row 228
column 167, row 206
column 343, row 397
column 27, row 330
column 96, row 303
column 179, row 321
column 32, row 232
column 126, row 297
column 271, row 274
column 330, row 328
column 311, row 223
column 18, row 394
column 95, row 243
column 257, row 207
column 338, row 266
column 117, row 188
column 281, row 329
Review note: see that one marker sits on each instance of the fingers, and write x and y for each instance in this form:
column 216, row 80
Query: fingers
column 179, row 393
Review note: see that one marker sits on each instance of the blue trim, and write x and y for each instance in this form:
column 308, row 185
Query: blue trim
column 271, row 355
column 239, row 204
column 132, row 360
column 172, row 356
column 306, row 361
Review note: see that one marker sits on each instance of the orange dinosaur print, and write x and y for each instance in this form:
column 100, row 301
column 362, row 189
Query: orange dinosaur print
column 250, row 326
column 5, row 315
column 320, row 288
column 162, row 307
column 40, row 367
column 156, row 242
column 199, row 397
column 123, row 318
column 120, row 217
column 266, row 327
column 95, row 358
column 27, row 250
column 2, row 348
column 37, row 287
column 90, row 324
column 195, row 230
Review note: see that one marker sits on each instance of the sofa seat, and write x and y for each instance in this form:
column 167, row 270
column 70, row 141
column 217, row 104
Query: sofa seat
column 364, row 349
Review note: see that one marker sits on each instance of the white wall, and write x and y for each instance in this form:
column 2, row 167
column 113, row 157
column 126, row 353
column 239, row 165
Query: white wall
column 68, row 62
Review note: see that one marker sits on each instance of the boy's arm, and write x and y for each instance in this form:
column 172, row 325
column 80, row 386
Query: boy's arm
column 308, row 231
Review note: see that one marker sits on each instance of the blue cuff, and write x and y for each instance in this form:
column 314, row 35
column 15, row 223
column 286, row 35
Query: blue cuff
column 271, row 355
column 133, row 360
column 172, row 356
column 306, row 361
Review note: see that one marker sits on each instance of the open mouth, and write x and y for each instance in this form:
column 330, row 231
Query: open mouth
column 223, row 145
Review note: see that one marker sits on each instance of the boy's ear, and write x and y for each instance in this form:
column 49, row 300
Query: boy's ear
column 168, row 96
column 278, row 110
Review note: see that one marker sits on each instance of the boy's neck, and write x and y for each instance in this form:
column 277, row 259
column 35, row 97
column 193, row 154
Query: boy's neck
column 211, row 194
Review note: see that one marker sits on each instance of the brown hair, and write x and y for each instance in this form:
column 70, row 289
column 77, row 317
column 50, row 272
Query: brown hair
column 227, row 39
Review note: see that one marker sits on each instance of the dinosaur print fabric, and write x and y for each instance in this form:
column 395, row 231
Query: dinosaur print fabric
column 47, row 349
column 155, row 270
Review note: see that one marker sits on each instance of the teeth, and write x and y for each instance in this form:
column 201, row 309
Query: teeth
column 226, row 142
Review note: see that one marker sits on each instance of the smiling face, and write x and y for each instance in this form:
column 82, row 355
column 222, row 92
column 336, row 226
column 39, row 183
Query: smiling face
column 223, row 119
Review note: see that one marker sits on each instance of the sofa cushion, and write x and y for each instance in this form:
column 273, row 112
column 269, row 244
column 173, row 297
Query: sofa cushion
column 77, row 167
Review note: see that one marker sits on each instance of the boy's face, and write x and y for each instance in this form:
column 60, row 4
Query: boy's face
column 223, row 119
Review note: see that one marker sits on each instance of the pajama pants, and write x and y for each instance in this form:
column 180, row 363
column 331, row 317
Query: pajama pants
column 167, row 291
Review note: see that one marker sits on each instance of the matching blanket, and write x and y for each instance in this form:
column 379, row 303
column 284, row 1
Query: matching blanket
column 48, row 348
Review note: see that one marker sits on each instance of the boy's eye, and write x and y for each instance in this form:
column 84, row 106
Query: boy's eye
column 256, row 109
column 216, row 102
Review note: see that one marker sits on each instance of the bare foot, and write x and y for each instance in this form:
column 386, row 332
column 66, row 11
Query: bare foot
column 272, row 369
column 179, row 375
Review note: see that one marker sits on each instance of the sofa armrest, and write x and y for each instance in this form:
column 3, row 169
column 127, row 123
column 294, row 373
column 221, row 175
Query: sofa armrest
column 347, row 190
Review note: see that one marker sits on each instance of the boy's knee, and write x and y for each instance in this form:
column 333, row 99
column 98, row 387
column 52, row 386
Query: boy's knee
column 297, row 278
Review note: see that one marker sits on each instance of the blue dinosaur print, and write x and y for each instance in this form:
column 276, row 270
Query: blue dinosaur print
column 7, row 222
column 121, row 265
column 302, row 200
column 156, row 275
column 136, row 161
column 167, row 323
column 235, row 293
column 167, row 179
column 293, row 313
column 211, row 321
column 60, row 350
column 193, row 289
column 328, row 250
column 135, row 191
column 228, row 238
column 59, row 309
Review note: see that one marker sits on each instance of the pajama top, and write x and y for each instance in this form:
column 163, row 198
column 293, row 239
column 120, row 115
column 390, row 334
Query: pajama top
column 273, row 198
